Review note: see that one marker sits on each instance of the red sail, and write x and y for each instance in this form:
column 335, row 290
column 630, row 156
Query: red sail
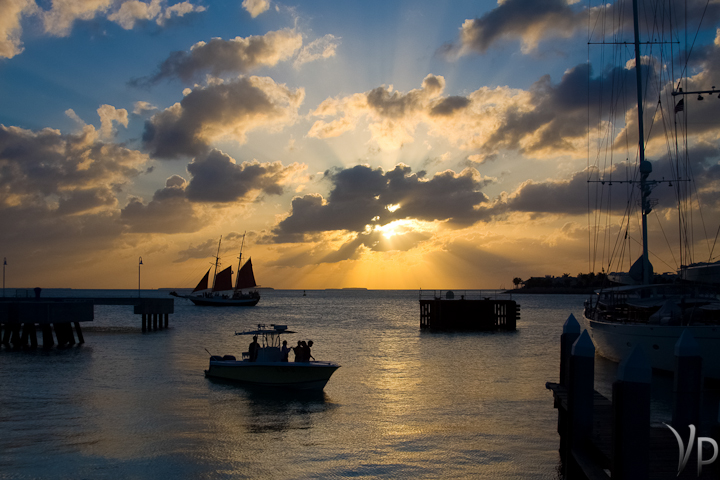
column 223, row 280
column 203, row 284
column 245, row 277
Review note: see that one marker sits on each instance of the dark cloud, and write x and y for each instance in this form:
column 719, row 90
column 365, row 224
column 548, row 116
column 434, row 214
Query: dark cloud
column 219, row 57
column 209, row 248
column 168, row 212
column 217, row 178
column 220, row 110
column 449, row 105
column 77, row 170
column 560, row 112
column 363, row 196
column 527, row 19
column 83, row 200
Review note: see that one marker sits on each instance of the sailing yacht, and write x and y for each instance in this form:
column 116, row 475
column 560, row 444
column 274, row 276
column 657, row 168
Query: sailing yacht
column 649, row 314
column 222, row 293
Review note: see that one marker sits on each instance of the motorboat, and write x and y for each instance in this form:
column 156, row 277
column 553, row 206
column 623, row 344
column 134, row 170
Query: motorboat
column 266, row 365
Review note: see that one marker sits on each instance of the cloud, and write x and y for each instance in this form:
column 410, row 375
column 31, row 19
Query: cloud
column 12, row 12
column 59, row 20
column 45, row 167
column 528, row 20
column 218, row 56
column 546, row 121
column 140, row 107
column 255, row 7
column 217, row 178
column 363, row 198
column 109, row 114
column 394, row 115
column 132, row 11
column 221, row 110
column 168, row 212
column 320, row 48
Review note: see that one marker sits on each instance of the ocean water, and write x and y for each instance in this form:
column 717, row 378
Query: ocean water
column 405, row 403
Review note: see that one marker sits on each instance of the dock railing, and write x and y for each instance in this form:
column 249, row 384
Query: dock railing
column 465, row 295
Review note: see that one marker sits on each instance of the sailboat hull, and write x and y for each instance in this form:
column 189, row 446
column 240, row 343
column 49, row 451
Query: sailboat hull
column 223, row 302
column 615, row 341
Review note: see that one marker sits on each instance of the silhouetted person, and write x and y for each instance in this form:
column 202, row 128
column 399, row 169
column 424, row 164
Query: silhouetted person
column 298, row 350
column 309, row 356
column 284, row 351
column 253, row 349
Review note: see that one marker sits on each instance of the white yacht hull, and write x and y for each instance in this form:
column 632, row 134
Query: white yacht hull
column 615, row 341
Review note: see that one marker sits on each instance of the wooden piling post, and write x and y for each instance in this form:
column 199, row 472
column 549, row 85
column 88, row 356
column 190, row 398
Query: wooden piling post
column 81, row 339
column 166, row 319
column 15, row 337
column 33, row 336
column 154, row 320
column 571, row 332
column 47, row 336
column 6, row 335
column 581, row 390
column 25, row 335
column 687, row 384
column 631, row 418
column 144, row 322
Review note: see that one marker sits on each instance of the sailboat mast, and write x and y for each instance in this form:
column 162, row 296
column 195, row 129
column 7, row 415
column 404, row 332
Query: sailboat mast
column 217, row 259
column 645, row 166
column 237, row 279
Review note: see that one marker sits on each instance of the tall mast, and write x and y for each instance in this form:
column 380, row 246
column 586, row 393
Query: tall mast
column 645, row 166
column 237, row 279
column 217, row 260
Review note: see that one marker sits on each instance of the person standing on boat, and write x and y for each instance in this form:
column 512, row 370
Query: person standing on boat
column 307, row 351
column 253, row 349
column 299, row 352
column 284, row 351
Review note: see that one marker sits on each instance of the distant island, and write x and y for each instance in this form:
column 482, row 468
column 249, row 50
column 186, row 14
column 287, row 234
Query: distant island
column 583, row 283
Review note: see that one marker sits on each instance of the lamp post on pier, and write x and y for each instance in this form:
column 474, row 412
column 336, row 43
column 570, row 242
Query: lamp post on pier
column 139, row 265
column 4, row 263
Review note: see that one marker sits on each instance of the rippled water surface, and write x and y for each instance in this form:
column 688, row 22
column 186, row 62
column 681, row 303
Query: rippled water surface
column 405, row 403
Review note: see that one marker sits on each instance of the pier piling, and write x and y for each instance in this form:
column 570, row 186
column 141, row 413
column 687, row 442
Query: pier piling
column 603, row 439
column 687, row 384
column 631, row 418
column 581, row 389
column 570, row 333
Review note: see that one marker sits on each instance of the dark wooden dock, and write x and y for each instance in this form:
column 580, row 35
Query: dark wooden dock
column 20, row 317
column 595, row 459
column 603, row 438
column 472, row 310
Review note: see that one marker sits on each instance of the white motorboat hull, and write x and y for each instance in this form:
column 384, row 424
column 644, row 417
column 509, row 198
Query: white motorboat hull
column 615, row 341
column 297, row 375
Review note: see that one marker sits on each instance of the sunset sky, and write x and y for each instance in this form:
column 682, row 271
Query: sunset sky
column 378, row 144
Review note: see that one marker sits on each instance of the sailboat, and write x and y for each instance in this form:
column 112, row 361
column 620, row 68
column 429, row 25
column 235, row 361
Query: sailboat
column 653, row 315
column 222, row 293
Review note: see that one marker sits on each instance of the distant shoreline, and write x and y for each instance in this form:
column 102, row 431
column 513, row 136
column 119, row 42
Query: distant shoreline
column 554, row 291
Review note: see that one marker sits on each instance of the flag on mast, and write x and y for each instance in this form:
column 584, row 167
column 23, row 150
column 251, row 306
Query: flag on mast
column 680, row 106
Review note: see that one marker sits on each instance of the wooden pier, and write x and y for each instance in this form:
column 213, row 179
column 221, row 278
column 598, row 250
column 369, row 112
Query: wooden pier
column 472, row 310
column 613, row 439
column 20, row 318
